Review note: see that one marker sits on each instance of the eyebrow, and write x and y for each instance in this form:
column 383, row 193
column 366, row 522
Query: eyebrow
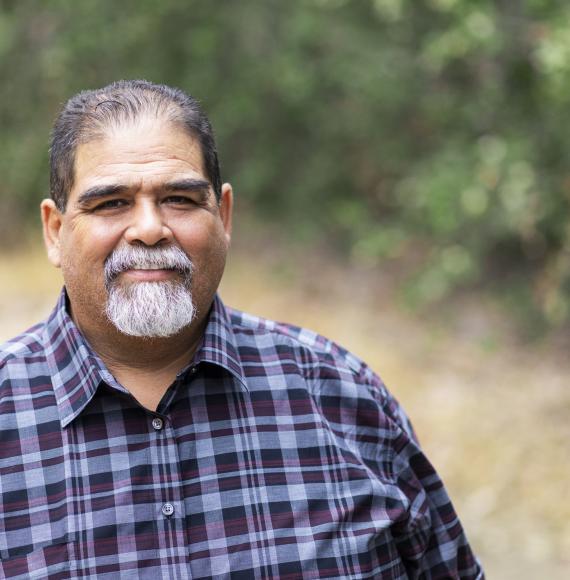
column 98, row 191
column 189, row 184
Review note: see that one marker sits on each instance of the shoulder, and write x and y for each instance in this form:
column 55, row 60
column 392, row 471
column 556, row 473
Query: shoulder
column 350, row 397
column 335, row 376
column 19, row 354
column 332, row 370
column 265, row 334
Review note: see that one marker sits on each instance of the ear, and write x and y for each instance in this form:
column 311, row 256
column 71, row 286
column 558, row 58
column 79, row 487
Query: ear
column 52, row 222
column 226, row 208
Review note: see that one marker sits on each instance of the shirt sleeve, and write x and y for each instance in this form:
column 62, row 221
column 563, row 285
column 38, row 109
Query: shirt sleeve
column 429, row 537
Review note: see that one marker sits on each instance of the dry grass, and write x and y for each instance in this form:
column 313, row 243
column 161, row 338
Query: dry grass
column 492, row 416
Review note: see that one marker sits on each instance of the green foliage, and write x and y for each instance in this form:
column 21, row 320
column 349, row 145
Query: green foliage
column 434, row 131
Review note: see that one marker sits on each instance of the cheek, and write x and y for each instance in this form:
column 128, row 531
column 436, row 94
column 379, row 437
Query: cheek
column 207, row 247
column 202, row 239
column 84, row 250
column 100, row 236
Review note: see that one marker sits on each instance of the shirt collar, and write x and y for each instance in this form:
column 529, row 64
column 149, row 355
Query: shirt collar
column 76, row 371
column 219, row 346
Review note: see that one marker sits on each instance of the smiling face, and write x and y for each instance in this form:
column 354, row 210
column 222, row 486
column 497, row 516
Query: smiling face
column 141, row 185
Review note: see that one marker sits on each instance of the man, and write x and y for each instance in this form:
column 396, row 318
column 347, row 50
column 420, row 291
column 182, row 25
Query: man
column 147, row 431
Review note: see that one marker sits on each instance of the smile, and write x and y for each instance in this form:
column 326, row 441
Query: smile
column 150, row 274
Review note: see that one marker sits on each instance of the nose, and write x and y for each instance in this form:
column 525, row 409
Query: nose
column 147, row 225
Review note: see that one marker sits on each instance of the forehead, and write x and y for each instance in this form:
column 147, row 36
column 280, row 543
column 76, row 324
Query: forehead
column 147, row 151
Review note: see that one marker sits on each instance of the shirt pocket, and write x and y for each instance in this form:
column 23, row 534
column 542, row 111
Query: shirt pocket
column 50, row 562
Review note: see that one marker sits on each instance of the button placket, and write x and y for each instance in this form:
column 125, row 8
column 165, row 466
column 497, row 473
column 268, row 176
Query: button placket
column 170, row 507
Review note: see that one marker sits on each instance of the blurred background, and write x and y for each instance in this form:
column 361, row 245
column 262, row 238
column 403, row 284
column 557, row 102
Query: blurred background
column 403, row 186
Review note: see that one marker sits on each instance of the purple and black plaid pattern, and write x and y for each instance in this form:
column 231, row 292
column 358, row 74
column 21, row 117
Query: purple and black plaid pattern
column 275, row 454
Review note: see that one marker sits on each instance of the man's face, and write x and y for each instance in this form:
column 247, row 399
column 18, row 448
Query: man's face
column 141, row 186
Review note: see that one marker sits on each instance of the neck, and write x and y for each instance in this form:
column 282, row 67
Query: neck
column 118, row 349
column 145, row 354
column 144, row 366
column 141, row 354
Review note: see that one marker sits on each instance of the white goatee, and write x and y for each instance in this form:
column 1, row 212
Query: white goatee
column 149, row 309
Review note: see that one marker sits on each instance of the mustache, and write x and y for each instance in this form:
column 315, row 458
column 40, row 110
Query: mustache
column 146, row 258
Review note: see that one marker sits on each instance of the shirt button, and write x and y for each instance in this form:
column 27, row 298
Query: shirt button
column 158, row 423
column 168, row 509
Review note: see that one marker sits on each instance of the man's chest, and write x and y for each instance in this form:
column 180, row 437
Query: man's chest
column 221, row 484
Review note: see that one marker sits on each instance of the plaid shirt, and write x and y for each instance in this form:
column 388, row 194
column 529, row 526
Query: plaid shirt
column 274, row 454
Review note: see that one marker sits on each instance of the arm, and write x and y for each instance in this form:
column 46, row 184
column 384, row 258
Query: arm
column 429, row 537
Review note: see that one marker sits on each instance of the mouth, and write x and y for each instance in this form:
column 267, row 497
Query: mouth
column 150, row 274
column 149, row 267
column 131, row 264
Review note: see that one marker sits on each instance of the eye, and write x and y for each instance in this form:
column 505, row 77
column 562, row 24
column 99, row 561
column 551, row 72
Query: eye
column 110, row 204
column 178, row 200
